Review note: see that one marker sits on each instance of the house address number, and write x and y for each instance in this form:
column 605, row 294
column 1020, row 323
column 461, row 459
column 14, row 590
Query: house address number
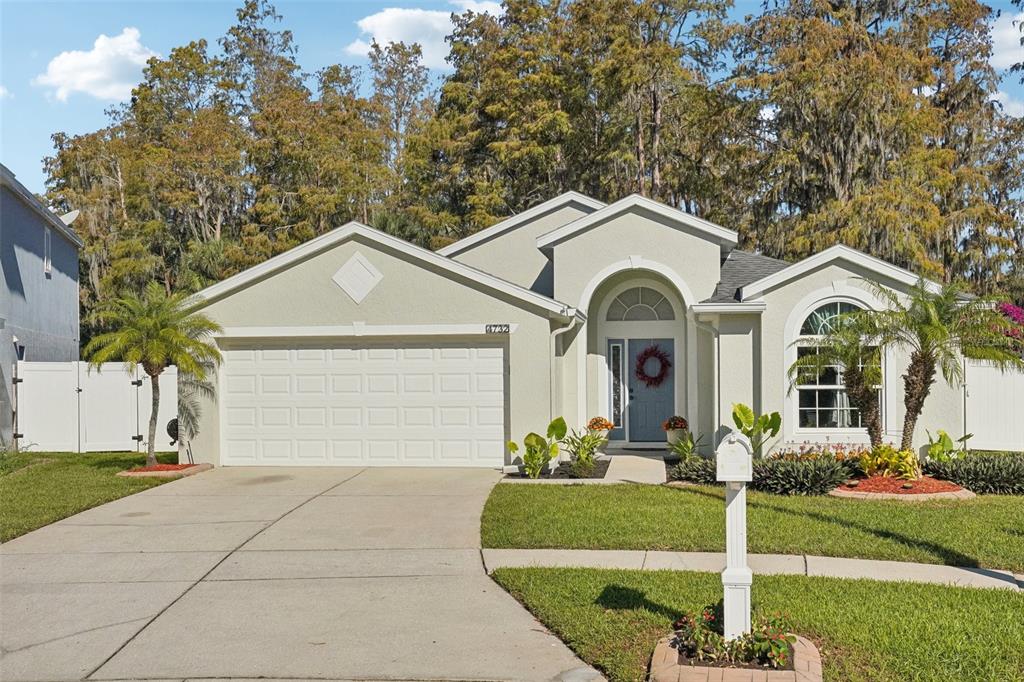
column 496, row 329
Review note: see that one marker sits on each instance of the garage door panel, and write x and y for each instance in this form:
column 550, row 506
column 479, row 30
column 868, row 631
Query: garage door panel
column 386, row 406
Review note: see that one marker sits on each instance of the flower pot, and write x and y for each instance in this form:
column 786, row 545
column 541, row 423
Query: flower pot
column 674, row 435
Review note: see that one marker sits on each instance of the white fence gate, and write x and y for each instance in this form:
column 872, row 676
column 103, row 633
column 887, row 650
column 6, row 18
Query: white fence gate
column 68, row 407
column 995, row 407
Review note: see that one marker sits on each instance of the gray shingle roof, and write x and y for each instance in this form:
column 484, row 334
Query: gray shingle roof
column 739, row 269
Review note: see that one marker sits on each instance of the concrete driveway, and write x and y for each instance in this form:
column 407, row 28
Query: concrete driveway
column 273, row 573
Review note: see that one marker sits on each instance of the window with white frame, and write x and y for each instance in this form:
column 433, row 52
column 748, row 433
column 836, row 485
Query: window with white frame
column 822, row 399
column 639, row 304
column 47, row 254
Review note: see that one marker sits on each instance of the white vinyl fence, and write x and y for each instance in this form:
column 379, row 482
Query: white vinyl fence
column 995, row 407
column 69, row 407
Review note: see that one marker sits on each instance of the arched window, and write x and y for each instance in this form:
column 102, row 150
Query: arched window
column 823, row 403
column 640, row 304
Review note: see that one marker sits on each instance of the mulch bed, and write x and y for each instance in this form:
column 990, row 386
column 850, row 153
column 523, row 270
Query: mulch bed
column 163, row 467
column 565, row 471
column 887, row 484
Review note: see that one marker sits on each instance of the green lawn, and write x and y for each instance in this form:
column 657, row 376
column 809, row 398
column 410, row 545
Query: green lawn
column 987, row 531
column 865, row 630
column 37, row 488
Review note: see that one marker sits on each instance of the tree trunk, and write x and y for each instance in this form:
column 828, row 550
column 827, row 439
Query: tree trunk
column 865, row 398
column 154, row 380
column 917, row 383
column 655, row 144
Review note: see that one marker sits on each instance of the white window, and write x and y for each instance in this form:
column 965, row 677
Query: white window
column 47, row 258
column 640, row 304
column 823, row 403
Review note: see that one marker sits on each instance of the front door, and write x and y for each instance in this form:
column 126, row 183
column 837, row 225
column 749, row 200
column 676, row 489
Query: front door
column 650, row 401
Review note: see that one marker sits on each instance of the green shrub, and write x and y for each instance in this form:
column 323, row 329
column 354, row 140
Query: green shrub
column 700, row 638
column 686, row 446
column 886, row 460
column 539, row 450
column 695, row 470
column 995, row 474
column 800, row 477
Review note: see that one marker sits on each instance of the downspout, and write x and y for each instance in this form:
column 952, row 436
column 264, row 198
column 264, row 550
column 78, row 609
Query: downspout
column 552, row 357
column 716, row 416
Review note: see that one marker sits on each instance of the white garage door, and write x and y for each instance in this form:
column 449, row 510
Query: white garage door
column 370, row 405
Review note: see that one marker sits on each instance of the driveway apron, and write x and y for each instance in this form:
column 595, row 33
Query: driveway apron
column 297, row 573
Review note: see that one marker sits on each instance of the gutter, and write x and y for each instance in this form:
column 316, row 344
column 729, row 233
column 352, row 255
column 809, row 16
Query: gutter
column 575, row 317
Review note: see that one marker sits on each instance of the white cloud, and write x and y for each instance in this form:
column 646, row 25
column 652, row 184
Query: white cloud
column 5, row 93
column 108, row 71
column 1006, row 47
column 428, row 28
column 1011, row 107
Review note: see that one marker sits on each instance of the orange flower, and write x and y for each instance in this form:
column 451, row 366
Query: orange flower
column 599, row 424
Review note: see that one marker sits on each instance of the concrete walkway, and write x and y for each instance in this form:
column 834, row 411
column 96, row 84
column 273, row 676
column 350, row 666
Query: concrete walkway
column 311, row 573
column 621, row 469
column 770, row 564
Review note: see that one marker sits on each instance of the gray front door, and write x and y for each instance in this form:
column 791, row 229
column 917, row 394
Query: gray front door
column 649, row 406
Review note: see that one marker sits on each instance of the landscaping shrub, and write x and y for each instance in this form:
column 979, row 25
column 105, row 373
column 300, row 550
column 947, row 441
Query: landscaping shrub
column 995, row 474
column 798, row 477
column 774, row 475
column 700, row 638
column 886, row 460
column 695, row 470
column 848, row 455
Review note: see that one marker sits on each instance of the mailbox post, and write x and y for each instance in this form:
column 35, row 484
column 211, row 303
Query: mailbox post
column 735, row 466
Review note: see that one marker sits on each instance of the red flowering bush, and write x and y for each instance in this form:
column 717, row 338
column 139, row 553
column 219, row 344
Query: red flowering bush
column 1015, row 314
column 701, row 638
column 675, row 423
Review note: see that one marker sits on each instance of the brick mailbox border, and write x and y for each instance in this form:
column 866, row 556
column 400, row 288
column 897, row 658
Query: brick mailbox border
column 665, row 667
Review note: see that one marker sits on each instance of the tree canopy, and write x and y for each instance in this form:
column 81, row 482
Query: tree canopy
column 807, row 124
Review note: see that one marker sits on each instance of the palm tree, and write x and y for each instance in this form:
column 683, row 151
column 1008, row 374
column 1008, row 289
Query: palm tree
column 846, row 344
column 939, row 326
column 155, row 330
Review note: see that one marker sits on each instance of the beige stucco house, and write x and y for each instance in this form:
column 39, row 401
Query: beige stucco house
column 358, row 348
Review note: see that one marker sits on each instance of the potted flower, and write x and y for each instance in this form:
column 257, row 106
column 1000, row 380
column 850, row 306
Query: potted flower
column 600, row 426
column 675, row 426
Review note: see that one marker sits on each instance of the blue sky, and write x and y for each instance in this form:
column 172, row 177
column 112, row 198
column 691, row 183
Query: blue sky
column 63, row 63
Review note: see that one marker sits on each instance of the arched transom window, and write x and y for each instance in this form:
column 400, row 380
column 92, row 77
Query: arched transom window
column 823, row 400
column 640, row 304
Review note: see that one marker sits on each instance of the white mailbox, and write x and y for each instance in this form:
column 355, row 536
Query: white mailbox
column 735, row 458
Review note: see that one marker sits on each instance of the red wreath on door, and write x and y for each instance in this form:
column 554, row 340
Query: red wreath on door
column 656, row 353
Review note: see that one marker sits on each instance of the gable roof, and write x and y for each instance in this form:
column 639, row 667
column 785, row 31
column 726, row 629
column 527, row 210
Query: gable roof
column 346, row 232
column 518, row 219
column 8, row 180
column 739, row 269
column 833, row 253
column 680, row 219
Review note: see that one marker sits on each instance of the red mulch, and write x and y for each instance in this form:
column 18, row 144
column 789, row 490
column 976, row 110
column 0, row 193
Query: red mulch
column 887, row 484
column 165, row 467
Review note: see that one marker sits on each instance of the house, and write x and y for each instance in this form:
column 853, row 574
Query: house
column 358, row 348
column 38, row 289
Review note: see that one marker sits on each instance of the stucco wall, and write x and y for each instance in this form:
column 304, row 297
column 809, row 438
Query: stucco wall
column 637, row 233
column 513, row 255
column 40, row 310
column 787, row 303
column 408, row 294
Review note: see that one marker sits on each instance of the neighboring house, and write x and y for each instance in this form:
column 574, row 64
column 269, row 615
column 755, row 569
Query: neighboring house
column 358, row 348
column 38, row 291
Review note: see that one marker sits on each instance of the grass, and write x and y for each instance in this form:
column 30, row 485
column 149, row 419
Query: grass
column 865, row 630
column 38, row 488
column 985, row 532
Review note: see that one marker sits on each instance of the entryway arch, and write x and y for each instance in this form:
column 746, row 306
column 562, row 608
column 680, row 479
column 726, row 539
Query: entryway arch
column 638, row 314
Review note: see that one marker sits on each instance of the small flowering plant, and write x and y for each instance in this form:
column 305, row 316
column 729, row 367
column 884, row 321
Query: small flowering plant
column 599, row 424
column 675, row 423
column 699, row 637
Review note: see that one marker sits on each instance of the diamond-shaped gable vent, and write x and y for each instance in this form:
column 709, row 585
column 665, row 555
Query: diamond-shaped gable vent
column 357, row 277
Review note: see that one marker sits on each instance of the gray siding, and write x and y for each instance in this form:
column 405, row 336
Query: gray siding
column 40, row 309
